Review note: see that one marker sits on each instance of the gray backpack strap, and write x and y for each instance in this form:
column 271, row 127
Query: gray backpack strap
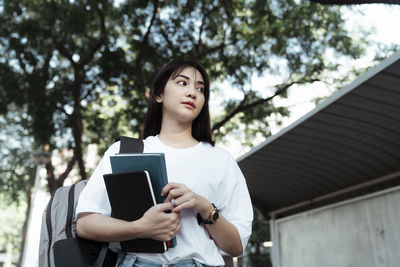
column 130, row 145
column 49, row 229
column 102, row 256
column 70, row 213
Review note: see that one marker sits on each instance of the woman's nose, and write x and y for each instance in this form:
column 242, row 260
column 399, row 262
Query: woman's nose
column 191, row 91
column 191, row 95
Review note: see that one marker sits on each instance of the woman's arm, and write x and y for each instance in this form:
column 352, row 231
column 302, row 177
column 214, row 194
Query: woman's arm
column 224, row 233
column 155, row 224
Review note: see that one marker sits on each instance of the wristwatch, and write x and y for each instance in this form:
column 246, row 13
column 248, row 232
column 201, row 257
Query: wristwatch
column 214, row 215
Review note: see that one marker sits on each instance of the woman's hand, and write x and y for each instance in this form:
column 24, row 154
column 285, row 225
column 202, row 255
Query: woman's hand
column 159, row 225
column 224, row 233
column 184, row 198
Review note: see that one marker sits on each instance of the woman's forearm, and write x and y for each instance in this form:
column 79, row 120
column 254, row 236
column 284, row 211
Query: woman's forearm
column 226, row 236
column 154, row 224
column 98, row 227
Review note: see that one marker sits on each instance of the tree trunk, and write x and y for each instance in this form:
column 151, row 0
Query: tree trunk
column 77, row 125
column 51, row 179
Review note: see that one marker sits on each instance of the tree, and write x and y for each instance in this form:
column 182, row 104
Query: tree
column 258, row 254
column 11, row 221
column 355, row 2
column 17, row 174
column 82, row 69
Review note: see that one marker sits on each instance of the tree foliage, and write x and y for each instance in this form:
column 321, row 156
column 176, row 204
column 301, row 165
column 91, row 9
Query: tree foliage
column 356, row 2
column 12, row 218
column 258, row 254
column 17, row 174
column 82, row 69
column 17, row 169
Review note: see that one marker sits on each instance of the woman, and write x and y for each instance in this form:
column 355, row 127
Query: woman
column 207, row 193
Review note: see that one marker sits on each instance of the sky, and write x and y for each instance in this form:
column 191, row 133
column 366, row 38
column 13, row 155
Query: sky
column 382, row 20
column 385, row 21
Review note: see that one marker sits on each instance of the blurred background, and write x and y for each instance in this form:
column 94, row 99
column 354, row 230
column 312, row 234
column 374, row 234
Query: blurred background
column 75, row 75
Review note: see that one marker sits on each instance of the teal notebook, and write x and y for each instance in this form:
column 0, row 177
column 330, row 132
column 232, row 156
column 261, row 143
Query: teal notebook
column 154, row 163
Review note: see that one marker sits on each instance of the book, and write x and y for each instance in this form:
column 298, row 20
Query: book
column 154, row 163
column 131, row 195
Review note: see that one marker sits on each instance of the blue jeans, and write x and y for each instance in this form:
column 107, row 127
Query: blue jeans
column 129, row 260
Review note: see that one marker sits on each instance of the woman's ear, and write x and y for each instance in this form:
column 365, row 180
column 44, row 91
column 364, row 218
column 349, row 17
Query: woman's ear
column 159, row 99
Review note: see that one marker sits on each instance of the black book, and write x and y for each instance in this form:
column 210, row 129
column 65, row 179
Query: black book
column 131, row 195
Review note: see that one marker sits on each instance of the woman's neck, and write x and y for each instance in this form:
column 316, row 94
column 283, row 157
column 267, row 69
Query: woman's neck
column 177, row 137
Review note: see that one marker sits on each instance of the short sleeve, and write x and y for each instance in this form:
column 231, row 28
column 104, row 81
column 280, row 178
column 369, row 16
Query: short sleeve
column 93, row 197
column 236, row 206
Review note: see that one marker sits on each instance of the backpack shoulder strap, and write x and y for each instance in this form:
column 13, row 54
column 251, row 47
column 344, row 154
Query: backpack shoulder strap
column 70, row 212
column 130, row 145
column 43, row 259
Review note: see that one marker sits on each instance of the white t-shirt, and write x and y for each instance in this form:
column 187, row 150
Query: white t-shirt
column 209, row 171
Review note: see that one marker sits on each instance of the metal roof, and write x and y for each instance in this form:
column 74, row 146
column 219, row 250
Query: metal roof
column 349, row 141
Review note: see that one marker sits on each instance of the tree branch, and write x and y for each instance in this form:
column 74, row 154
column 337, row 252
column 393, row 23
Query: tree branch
column 59, row 44
column 139, row 59
column 51, row 179
column 242, row 107
column 64, row 175
column 77, row 127
column 52, row 182
column 22, row 64
column 101, row 41
column 62, row 110
column 60, row 48
column 203, row 21
column 219, row 47
column 164, row 34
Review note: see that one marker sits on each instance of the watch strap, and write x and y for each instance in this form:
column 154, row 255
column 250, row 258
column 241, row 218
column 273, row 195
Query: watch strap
column 200, row 220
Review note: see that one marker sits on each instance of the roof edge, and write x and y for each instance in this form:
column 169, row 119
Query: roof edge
column 334, row 97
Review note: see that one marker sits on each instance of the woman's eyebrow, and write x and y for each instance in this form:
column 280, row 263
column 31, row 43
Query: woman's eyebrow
column 183, row 76
column 187, row 78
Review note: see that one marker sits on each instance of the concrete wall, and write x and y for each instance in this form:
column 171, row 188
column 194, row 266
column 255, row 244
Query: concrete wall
column 363, row 232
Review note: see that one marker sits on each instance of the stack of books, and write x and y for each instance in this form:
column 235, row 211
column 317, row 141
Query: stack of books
column 133, row 187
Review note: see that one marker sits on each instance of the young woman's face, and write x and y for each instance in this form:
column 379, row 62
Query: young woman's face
column 183, row 96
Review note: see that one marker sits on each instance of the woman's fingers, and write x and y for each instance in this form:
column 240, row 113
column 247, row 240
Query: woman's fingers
column 165, row 206
column 174, row 190
column 179, row 196
column 160, row 225
column 168, row 187
column 176, row 193
column 184, row 205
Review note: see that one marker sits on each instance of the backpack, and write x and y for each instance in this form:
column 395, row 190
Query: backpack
column 59, row 244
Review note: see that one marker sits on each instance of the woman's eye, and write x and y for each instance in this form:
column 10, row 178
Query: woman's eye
column 182, row 83
column 200, row 89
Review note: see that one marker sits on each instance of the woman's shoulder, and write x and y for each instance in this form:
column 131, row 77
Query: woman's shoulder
column 113, row 148
column 149, row 140
column 218, row 150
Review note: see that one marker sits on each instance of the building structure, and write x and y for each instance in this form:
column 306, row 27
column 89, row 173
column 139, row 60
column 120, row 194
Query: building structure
column 329, row 182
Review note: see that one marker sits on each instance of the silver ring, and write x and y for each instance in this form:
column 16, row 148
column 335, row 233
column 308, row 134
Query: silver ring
column 173, row 202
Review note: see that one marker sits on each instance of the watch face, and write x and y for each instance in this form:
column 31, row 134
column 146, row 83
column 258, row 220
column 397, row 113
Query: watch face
column 215, row 216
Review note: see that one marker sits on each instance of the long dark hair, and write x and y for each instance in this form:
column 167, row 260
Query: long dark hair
column 201, row 129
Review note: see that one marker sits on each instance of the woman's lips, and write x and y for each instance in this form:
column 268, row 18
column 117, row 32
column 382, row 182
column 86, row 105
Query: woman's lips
column 191, row 104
